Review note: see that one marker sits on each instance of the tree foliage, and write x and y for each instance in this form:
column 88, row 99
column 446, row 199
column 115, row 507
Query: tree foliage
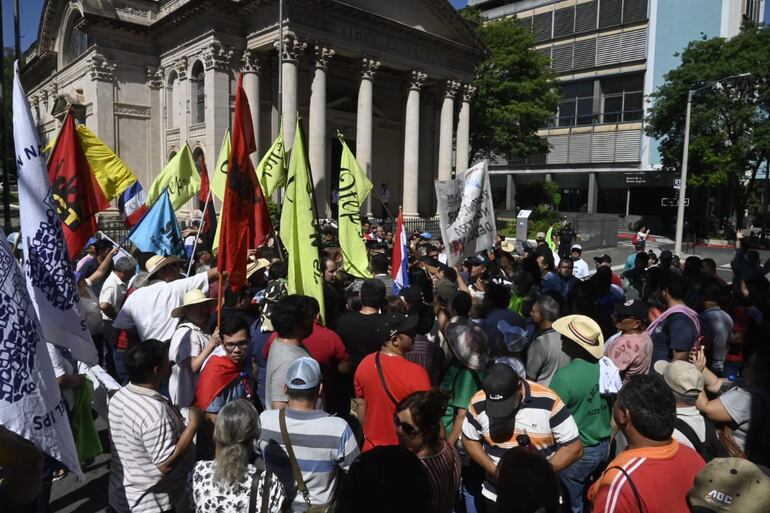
column 729, row 127
column 515, row 91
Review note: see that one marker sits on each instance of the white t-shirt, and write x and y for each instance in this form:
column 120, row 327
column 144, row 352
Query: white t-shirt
column 187, row 343
column 580, row 269
column 61, row 367
column 113, row 292
column 148, row 309
column 693, row 418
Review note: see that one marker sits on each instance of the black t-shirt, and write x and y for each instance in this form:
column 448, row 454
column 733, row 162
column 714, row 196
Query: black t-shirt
column 360, row 334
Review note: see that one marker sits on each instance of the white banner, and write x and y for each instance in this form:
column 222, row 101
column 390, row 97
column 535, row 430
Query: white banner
column 50, row 280
column 30, row 401
column 466, row 214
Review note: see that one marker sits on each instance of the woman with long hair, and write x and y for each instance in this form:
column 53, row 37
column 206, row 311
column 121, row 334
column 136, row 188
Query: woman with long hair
column 418, row 425
column 230, row 482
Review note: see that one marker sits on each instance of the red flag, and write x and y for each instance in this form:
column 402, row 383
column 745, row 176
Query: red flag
column 203, row 195
column 76, row 192
column 209, row 222
column 245, row 218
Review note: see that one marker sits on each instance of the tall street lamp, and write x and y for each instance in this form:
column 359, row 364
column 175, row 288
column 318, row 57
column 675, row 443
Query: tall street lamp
column 685, row 151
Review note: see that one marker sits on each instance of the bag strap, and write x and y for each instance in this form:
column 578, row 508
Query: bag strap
column 293, row 459
column 266, row 492
column 254, row 491
column 633, row 487
column 689, row 433
column 382, row 378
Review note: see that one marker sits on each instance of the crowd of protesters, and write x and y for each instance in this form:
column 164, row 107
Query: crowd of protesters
column 519, row 381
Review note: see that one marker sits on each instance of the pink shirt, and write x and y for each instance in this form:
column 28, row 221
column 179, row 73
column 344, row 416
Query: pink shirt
column 631, row 353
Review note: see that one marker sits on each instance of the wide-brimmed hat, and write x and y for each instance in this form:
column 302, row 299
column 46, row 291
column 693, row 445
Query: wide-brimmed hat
column 508, row 247
column 584, row 331
column 256, row 265
column 193, row 297
column 468, row 344
column 158, row 262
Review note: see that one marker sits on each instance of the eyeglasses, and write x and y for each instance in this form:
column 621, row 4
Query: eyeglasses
column 238, row 344
column 408, row 429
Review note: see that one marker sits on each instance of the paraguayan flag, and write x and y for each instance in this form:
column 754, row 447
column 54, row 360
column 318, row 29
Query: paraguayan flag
column 50, row 279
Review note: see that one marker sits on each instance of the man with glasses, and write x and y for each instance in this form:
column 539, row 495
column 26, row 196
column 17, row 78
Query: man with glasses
column 147, row 311
column 511, row 412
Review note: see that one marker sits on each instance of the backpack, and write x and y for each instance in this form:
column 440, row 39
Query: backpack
column 711, row 448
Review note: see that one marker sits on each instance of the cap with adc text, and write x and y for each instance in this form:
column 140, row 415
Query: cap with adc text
column 730, row 485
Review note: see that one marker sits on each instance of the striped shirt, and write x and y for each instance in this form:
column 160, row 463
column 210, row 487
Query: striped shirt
column 145, row 427
column 543, row 417
column 323, row 445
column 444, row 477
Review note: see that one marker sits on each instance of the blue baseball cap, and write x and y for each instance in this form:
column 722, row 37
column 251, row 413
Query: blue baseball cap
column 304, row 373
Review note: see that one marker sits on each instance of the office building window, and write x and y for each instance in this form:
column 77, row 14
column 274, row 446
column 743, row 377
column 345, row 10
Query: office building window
column 622, row 99
column 577, row 104
column 199, row 93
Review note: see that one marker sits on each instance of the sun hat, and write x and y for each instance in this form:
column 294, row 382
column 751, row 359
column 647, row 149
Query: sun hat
column 256, row 265
column 681, row 377
column 540, row 236
column 582, row 330
column 726, row 485
column 501, row 387
column 508, row 247
column 468, row 344
column 157, row 262
column 515, row 338
column 304, row 374
column 192, row 297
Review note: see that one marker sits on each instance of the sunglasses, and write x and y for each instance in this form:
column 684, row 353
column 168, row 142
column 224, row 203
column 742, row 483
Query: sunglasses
column 408, row 429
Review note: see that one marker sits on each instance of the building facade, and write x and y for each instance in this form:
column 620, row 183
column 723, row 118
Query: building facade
column 610, row 56
column 148, row 76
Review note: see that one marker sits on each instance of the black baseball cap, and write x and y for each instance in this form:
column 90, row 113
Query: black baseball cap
column 633, row 308
column 412, row 294
column 501, row 387
column 603, row 258
column 394, row 323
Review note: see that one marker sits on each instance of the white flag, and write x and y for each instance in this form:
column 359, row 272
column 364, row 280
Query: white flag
column 30, row 400
column 50, row 279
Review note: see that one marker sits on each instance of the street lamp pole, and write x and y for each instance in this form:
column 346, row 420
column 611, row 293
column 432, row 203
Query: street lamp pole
column 685, row 152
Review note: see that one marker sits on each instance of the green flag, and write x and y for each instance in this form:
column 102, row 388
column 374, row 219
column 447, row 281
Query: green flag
column 180, row 177
column 353, row 188
column 219, row 180
column 298, row 232
column 271, row 170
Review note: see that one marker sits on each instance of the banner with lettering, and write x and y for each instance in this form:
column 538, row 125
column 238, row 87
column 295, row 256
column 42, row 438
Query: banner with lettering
column 30, row 400
column 180, row 177
column 354, row 187
column 466, row 214
column 50, row 280
column 271, row 170
column 219, row 176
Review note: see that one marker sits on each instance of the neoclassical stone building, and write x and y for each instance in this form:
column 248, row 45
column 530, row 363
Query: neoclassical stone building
column 149, row 75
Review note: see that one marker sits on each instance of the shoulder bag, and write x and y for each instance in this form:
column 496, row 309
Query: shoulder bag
column 382, row 378
column 301, row 486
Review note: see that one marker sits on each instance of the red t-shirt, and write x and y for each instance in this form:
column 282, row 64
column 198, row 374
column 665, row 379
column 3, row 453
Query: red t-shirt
column 649, row 467
column 402, row 377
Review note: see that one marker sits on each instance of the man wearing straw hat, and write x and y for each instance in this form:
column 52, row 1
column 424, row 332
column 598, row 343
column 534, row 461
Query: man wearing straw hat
column 147, row 312
column 190, row 347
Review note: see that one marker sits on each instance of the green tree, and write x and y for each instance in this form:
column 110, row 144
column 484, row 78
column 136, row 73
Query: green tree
column 515, row 91
column 729, row 129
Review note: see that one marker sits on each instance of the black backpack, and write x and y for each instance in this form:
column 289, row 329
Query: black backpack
column 708, row 450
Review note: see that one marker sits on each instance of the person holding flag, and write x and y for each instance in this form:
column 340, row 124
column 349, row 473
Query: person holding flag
column 400, row 261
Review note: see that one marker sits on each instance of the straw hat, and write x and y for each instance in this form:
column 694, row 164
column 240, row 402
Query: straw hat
column 508, row 247
column 584, row 331
column 158, row 262
column 193, row 297
column 256, row 265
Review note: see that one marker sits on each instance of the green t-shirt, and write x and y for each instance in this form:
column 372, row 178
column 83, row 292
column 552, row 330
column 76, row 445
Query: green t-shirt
column 516, row 303
column 461, row 383
column 578, row 386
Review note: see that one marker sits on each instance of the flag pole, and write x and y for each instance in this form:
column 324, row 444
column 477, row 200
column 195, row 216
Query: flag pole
column 195, row 244
column 220, row 293
column 4, row 144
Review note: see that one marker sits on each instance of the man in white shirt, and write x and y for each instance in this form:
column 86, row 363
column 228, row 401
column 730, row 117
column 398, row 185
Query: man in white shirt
column 115, row 287
column 147, row 312
column 579, row 266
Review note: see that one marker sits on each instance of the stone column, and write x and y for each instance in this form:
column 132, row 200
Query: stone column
column 510, row 193
column 251, row 67
column 156, row 136
column 464, row 129
column 445, row 137
column 364, row 122
column 292, row 48
column 593, row 193
column 317, row 130
column 182, row 108
column 412, row 144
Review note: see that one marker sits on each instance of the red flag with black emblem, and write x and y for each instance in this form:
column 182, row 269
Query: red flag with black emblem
column 209, row 222
column 76, row 192
column 245, row 218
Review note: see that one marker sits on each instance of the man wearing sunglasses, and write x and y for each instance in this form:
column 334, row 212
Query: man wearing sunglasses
column 510, row 412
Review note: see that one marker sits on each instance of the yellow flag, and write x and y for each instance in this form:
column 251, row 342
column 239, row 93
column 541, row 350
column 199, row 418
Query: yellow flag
column 271, row 170
column 298, row 232
column 180, row 177
column 354, row 187
column 219, row 180
column 110, row 171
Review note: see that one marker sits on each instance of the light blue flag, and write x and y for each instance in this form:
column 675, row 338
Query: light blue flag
column 158, row 232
